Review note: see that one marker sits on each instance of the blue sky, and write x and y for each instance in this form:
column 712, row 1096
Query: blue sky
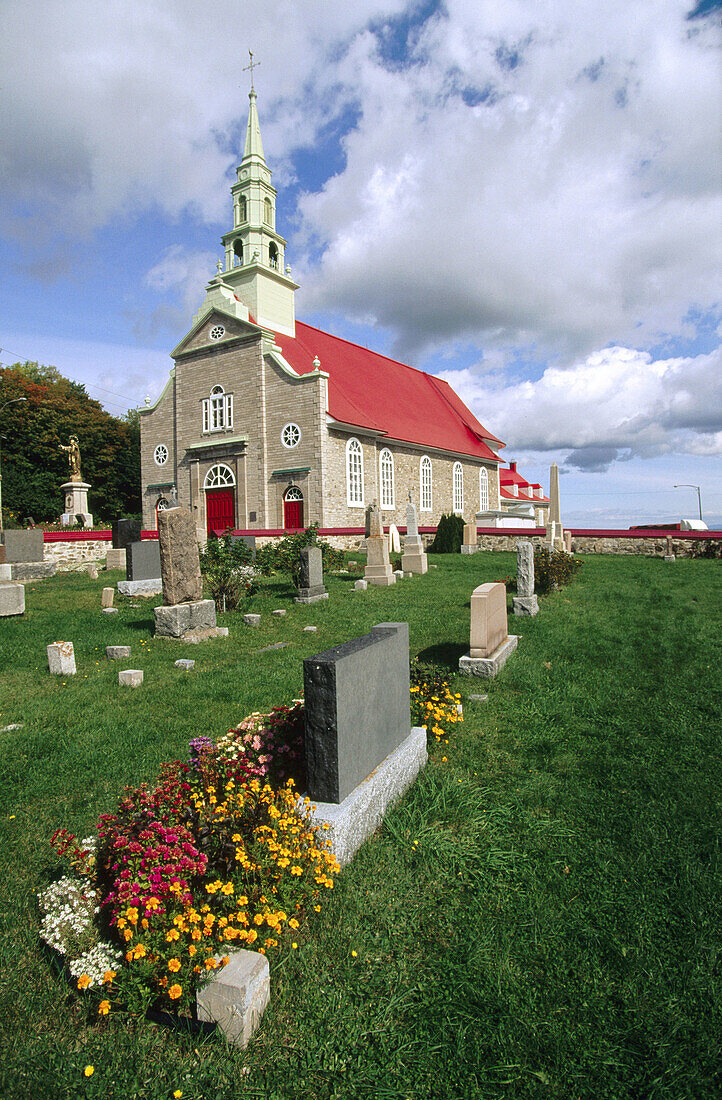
column 523, row 198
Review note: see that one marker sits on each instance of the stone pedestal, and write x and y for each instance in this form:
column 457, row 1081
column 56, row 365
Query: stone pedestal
column 179, row 620
column 525, row 605
column 378, row 569
column 488, row 667
column 76, row 503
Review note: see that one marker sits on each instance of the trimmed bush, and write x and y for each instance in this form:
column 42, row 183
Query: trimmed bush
column 553, row 568
column 449, row 535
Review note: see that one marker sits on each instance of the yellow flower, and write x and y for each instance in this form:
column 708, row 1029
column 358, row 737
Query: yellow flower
column 178, row 1093
column 104, row 1008
column 174, row 965
column 354, row 954
column 294, row 946
column 83, row 981
column 108, row 976
column 175, row 991
column 89, row 1071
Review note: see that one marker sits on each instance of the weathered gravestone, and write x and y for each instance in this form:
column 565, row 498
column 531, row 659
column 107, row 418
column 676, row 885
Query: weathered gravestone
column 414, row 559
column 525, row 602
column 22, row 545
column 378, row 566
column 490, row 644
column 142, row 570
column 184, row 611
column 469, row 545
column 124, row 532
column 115, row 559
column 361, row 752
column 107, row 597
column 61, row 659
column 311, row 587
column 12, row 598
column 670, row 555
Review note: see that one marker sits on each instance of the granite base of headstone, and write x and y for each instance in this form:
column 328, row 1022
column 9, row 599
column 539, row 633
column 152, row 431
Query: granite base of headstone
column 490, row 645
column 311, row 587
column 236, row 996
column 12, row 598
column 183, row 620
column 525, row 605
column 33, row 570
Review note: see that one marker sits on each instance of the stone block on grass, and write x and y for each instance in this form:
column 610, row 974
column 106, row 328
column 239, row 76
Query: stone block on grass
column 107, row 597
column 525, row 605
column 117, row 652
column 109, row 611
column 361, row 585
column 61, row 659
column 280, row 612
column 176, row 620
column 236, row 996
column 252, row 620
column 130, row 677
column 12, row 598
column 185, row 664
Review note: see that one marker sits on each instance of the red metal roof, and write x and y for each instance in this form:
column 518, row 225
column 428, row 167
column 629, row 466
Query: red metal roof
column 369, row 390
column 510, row 477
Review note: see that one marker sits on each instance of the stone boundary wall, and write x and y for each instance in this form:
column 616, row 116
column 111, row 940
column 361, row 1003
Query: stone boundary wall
column 72, row 552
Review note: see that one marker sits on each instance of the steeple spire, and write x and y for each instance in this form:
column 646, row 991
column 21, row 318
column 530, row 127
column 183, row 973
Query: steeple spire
column 254, row 145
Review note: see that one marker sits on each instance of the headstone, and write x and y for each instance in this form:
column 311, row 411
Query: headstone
column 670, row 556
column 252, row 620
column 93, row 571
column 115, row 559
column 378, row 567
column 469, row 545
column 311, row 587
column 125, row 531
column 568, row 541
column 12, row 598
column 490, row 644
column 181, row 619
column 525, row 602
column 248, row 540
column 555, row 531
column 130, row 677
column 107, row 597
column 351, row 729
column 279, row 612
column 22, row 545
column 414, row 559
column 6, row 572
column 117, row 652
column 394, row 539
column 143, row 561
column 361, row 585
column 61, row 659
column 236, row 996
column 180, row 568
column 185, row 664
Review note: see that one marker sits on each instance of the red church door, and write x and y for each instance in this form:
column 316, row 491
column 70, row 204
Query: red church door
column 220, row 510
column 293, row 509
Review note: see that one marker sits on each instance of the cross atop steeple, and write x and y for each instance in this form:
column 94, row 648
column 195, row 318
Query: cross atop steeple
column 253, row 64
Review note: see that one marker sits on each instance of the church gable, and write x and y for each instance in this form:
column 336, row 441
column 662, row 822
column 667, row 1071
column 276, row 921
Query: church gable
column 215, row 330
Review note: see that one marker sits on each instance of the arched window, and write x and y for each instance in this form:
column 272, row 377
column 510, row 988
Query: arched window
column 483, row 490
column 386, row 467
column 219, row 477
column 272, row 255
column 237, row 253
column 354, row 474
column 218, row 410
column 458, row 488
column 268, row 211
column 425, row 482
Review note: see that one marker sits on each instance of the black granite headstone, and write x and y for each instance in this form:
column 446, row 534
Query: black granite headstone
column 126, row 531
column 21, row 545
column 357, row 709
column 142, row 561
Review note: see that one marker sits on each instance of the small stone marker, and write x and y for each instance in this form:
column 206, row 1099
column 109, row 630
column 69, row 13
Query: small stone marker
column 12, row 597
column 469, row 545
column 236, row 996
column 525, row 602
column 378, row 567
column 93, row 571
column 183, row 619
column 490, row 645
column 61, row 659
column 670, row 556
column 107, row 597
column 117, row 652
column 311, row 587
column 185, row 664
column 394, row 539
column 276, row 645
column 12, row 726
column 414, row 559
column 310, row 629
column 6, row 571
column 252, row 620
column 180, row 568
column 361, row 585
column 130, row 677
column 109, row 611
column 479, row 698
column 280, row 612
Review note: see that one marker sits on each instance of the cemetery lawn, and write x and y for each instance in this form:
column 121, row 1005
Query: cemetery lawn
column 538, row 917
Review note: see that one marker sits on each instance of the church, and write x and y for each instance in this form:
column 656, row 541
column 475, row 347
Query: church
column 269, row 423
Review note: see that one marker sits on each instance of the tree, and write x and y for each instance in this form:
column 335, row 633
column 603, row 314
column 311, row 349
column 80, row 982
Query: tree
column 34, row 467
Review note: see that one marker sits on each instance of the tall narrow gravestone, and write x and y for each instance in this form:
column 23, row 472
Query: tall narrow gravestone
column 414, row 559
column 469, row 545
column 311, row 588
column 378, row 569
column 361, row 752
column 525, row 602
column 490, row 644
column 555, row 530
column 184, row 613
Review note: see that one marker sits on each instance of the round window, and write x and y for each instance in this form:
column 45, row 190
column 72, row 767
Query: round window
column 160, row 454
column 291, row 435
column 217, row 332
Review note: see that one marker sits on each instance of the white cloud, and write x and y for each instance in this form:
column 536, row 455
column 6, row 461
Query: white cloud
column 613, row 405
column 180, row 275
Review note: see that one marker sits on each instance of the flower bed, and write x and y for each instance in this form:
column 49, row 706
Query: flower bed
column 432, row 702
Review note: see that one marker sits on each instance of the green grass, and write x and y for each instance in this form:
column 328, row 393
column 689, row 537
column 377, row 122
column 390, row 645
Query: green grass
column 554, row 931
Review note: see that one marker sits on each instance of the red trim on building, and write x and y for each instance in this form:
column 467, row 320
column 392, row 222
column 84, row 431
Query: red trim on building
column 77, row 536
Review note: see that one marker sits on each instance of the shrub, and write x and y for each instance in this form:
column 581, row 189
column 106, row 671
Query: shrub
column 449, row 535
column 284, row 556
column 553, row 568
column 228, row 572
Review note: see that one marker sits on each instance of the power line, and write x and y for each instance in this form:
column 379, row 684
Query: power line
column 27, row 359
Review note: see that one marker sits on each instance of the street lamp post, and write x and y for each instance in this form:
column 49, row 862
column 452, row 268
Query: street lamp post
column 15, row 401
column 699, row 494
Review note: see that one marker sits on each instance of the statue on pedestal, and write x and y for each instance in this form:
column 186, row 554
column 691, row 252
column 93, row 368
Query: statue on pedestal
column 73, row 450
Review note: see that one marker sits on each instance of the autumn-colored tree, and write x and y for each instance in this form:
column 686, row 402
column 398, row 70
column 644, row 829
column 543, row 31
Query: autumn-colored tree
column 34, row 467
